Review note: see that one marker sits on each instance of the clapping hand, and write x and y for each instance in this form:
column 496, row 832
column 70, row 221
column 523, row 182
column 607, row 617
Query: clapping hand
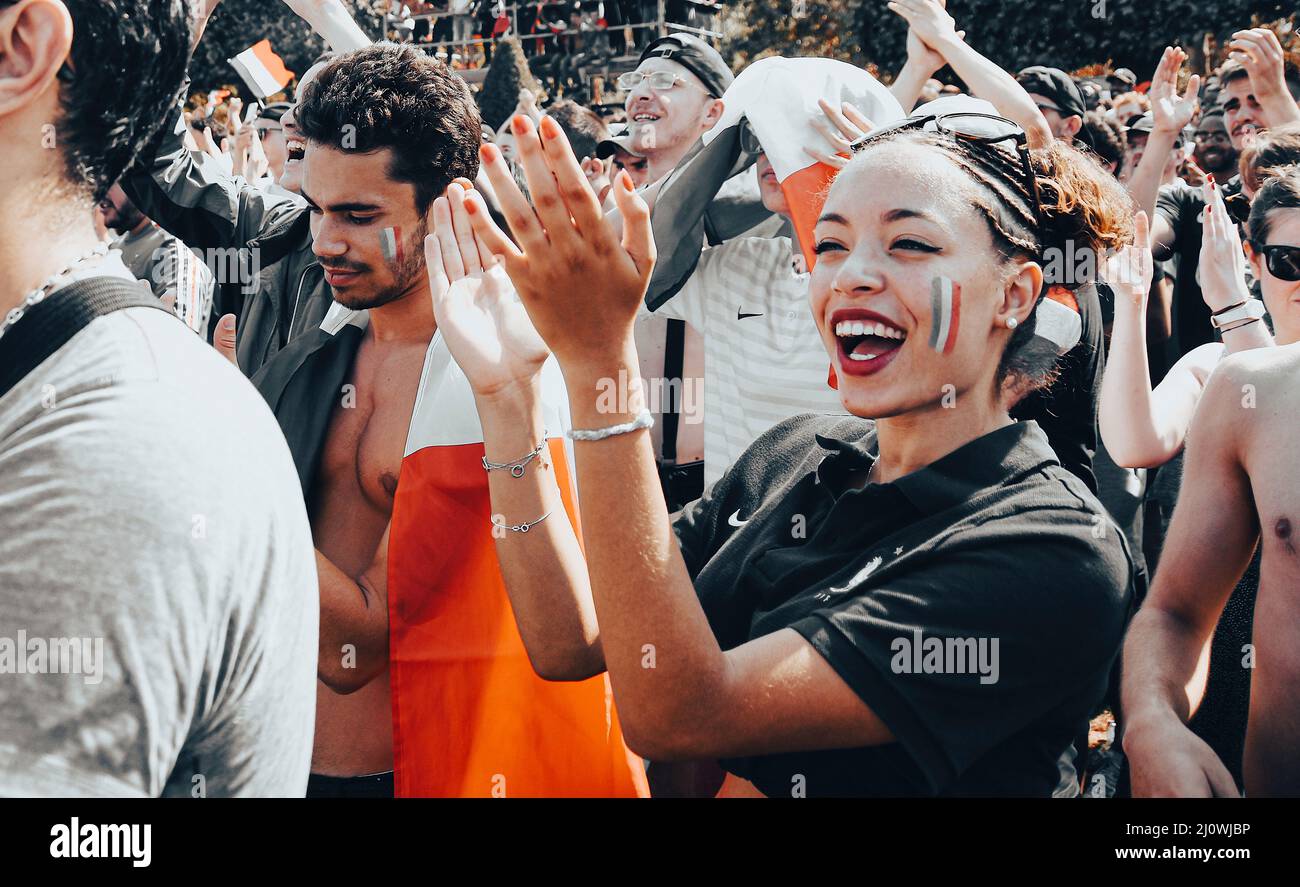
column 580, row 282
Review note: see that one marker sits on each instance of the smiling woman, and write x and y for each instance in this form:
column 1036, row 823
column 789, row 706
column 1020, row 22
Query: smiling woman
column 760, row 625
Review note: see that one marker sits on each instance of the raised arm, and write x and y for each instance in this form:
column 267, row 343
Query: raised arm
column 1170, row 112
column 1209, row 544
column 1261, row 54
column 488, row 333
column 330, row 19
column 922, row 63
column 932, row 24
column 581, row 287
column 1143, row 428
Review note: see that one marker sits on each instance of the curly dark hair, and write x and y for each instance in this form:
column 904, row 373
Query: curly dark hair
column 396, row 97
column 119, row 85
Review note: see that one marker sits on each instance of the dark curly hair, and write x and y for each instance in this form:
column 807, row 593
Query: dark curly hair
column 119, row 84
column 1107, row 138
column 396, row 97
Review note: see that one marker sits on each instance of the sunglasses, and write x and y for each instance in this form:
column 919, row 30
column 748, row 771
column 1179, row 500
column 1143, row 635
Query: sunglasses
column 1283, row 262
column 972, row 128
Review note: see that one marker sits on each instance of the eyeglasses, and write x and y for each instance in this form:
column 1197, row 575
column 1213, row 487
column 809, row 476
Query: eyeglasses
column 976, row 129
column 659, row 80
column 749, row 139
column 1283, row 262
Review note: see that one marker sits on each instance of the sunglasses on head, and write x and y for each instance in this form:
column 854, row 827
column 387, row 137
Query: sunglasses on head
column 976, row 129
column 1282, row 261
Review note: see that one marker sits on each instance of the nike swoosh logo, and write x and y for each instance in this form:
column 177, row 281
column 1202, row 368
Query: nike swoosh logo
column 741, row 315
column 735, row 520
column 860, row 576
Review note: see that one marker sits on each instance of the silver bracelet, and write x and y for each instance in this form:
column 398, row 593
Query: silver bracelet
column 517, row 466
column 520, row 528
column 644, row 419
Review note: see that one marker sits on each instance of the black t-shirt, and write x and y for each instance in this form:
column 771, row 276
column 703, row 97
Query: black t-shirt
column 1067, row 409
column 994, row 542
column 1181, row 206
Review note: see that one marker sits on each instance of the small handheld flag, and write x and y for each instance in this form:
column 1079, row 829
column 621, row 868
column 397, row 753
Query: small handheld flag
column 262, row 69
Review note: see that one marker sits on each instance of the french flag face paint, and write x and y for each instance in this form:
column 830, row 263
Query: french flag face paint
column 945, row 314
column 390, row 243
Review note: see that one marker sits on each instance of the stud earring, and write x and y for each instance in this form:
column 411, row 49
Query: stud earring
column 1012, row 323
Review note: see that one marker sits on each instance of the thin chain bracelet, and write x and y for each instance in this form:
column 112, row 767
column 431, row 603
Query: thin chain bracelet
column 521, row 528
column 517, row 466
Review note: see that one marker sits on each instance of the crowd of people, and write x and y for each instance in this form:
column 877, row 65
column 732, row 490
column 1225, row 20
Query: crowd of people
column 789, row 434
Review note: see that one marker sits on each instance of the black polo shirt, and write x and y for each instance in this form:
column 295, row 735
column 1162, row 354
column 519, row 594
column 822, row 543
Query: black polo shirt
column 994, row 541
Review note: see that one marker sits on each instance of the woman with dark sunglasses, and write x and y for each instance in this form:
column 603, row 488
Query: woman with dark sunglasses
column 926, row 604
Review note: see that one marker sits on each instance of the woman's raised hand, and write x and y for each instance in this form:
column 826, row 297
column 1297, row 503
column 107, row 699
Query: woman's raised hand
column 479, row 315
column 580, row 281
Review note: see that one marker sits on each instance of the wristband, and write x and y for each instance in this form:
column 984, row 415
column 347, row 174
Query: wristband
column 643, row 420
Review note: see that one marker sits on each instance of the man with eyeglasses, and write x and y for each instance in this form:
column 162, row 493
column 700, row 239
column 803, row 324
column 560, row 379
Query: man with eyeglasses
column 673, row 98
column 271, row 131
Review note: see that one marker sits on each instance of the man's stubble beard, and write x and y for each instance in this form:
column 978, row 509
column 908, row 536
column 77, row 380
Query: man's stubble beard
column 405, row 275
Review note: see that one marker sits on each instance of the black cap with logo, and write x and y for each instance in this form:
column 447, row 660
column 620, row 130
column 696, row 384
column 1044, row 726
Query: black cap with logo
column 696, row 56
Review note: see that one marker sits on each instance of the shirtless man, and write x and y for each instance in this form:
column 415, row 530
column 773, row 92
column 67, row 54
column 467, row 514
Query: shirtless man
column 407, row 703
column 370, row 172
column 1238, row 491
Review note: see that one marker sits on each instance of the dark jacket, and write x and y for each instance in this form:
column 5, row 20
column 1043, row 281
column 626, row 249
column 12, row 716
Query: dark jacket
column 257, row 244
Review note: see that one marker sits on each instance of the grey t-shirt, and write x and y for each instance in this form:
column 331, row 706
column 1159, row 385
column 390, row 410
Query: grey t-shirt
column 153, row 540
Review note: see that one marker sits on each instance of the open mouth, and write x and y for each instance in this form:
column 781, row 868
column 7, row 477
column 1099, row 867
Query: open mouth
column 295, row 149
column 867, row 344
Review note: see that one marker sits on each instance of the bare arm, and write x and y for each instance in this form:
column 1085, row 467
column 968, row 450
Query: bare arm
column 1261, row 54
column 581, row 288
column 353, row 622
column 330, row 19
column 502, row 357
column 1210, row 542
column 935, row 27
column 1170, row 113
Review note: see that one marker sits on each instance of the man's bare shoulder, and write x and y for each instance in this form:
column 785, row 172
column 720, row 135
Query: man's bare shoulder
column 1269, row 372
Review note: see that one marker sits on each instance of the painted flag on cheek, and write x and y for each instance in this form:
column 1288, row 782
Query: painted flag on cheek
column 945, row 314
column 390, row 243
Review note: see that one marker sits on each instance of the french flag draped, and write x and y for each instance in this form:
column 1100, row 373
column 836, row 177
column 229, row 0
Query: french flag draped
column 262, row 69
column 470, row 716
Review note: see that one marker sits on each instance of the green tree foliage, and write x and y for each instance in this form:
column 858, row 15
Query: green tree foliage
column 507, row 74
column 1068, row 34
column 238, row 24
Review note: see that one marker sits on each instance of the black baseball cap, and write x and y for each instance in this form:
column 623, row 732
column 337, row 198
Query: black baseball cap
column 274, row 111
column 696, row 56
column 1056, row 86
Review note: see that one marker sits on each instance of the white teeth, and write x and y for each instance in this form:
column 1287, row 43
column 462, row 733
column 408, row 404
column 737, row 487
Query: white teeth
column 858, row 328
column 861, row 357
